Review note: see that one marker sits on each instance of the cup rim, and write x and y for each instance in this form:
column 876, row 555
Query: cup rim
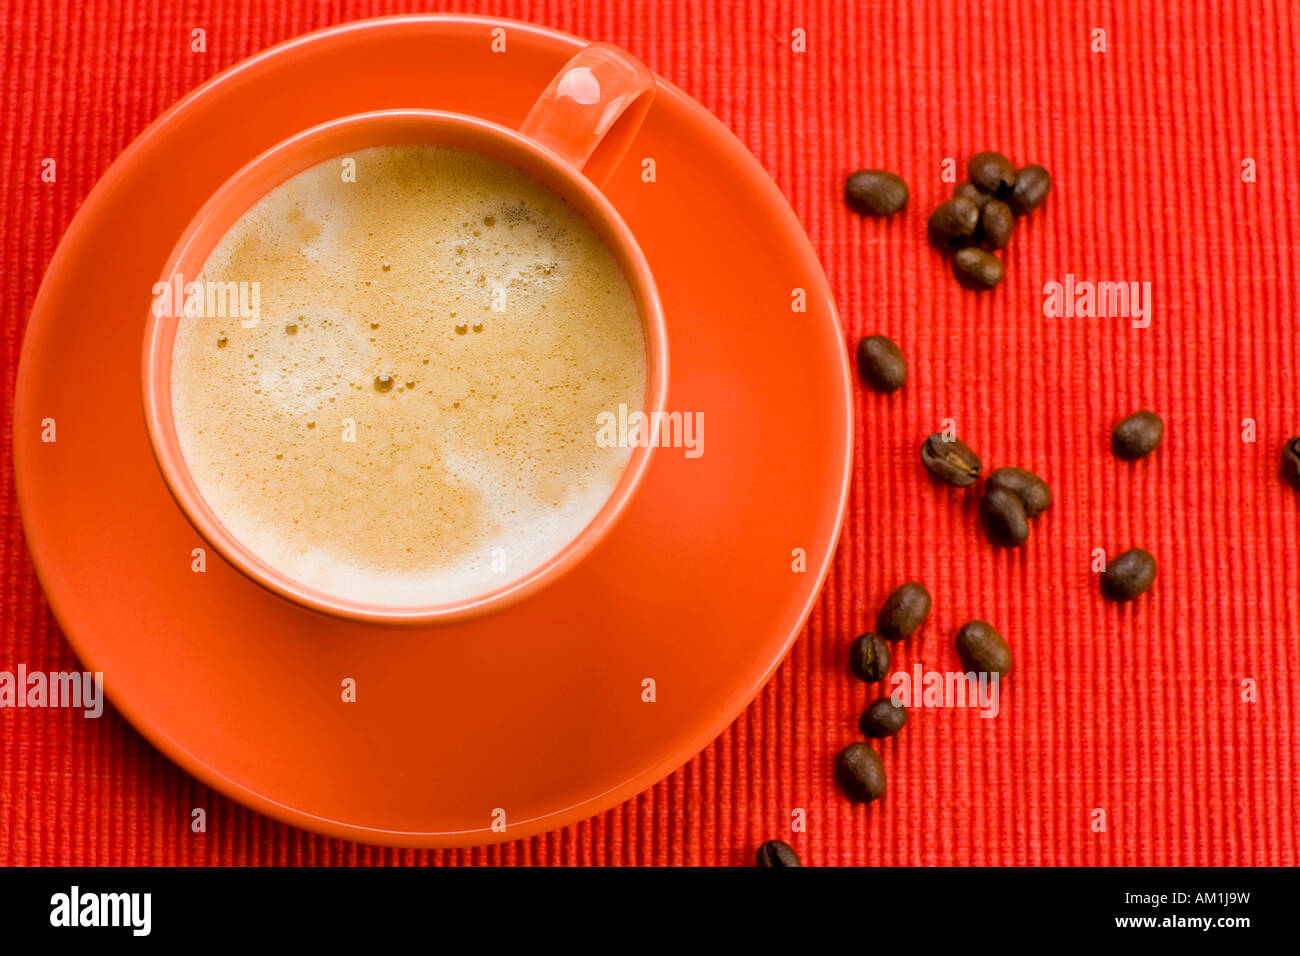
column 535, row 160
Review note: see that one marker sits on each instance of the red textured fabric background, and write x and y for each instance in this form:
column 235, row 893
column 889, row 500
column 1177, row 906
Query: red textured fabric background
column 1137, row 711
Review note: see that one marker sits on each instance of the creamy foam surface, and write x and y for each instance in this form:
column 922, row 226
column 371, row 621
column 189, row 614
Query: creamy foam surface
column 475, row 460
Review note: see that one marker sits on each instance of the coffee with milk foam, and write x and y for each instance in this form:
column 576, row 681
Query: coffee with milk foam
column 383, row 434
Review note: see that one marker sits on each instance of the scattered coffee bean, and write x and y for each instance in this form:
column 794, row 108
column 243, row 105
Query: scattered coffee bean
column 860, row 773
column 982, row 649
column 875, row 192
column 903, row 611
column 1003, row 514
column 881, row 364
column 1128, row 575
column 972, row 192
column 1033, row 183
column 882, row 718
column 997, row 192
column 992, row 172
column 774, row 853
column 1032, row 490
column 1137, row 436
column 869, row 657
column 952, row 225
column 1291, row 463
column 950, row 460
column 996, row 224
column 977, row 269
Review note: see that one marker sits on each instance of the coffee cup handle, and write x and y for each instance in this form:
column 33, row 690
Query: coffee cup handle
column 592, row 109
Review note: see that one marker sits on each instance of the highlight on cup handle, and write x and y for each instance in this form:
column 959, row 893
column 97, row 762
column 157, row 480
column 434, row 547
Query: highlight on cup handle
column 592, row 110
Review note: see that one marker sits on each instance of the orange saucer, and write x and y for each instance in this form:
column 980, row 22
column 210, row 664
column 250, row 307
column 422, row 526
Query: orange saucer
column 533, row 716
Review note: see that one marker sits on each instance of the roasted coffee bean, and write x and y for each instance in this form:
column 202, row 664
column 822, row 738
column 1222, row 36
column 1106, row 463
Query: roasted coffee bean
column 996, row 224
column 953, row 223
column 992, row 172
column 982, row 649
column 1128, row 575
column 972, row 192
column 875, row 192
column 1032, row 490
column 869, row 657
column 774, row 853
column 1004, row 517
column 1033, row 183
column 903, row 611
column 950, row 460
column 860, row 773
column 1137, row 436
column 881, row 364
column 882, row 718
column 1291, row 463
column 977, row 269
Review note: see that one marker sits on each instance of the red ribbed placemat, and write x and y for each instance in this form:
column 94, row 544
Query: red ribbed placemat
column 1138, row 711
